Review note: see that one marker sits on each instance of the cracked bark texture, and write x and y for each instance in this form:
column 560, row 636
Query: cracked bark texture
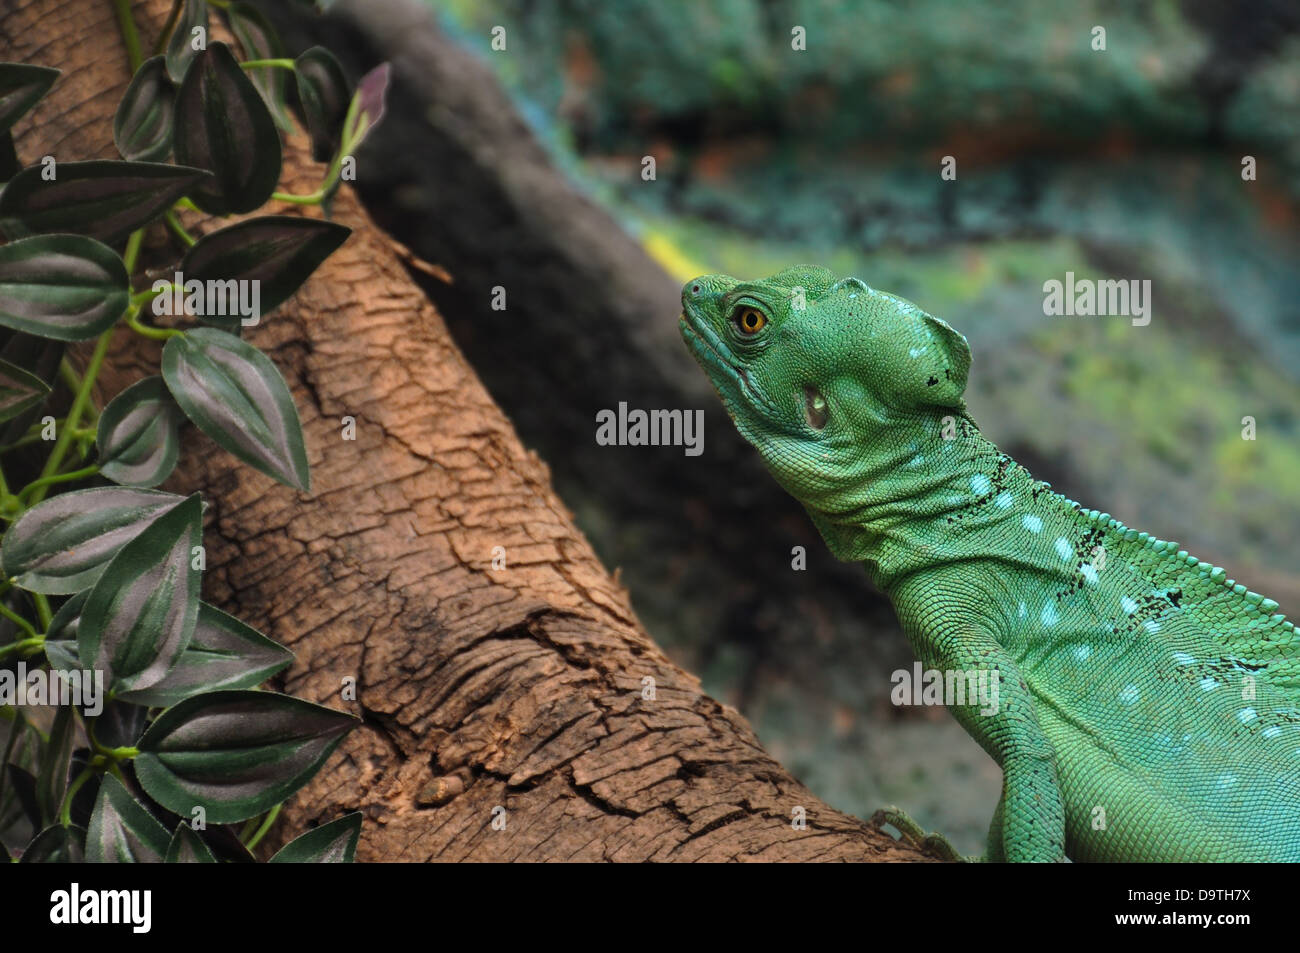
column 525, row 688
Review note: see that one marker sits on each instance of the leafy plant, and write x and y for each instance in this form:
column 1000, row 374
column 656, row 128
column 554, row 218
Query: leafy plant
column 103, row 578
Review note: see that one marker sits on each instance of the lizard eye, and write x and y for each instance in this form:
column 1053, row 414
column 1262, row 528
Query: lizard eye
column 749, row 320
column 814, row 408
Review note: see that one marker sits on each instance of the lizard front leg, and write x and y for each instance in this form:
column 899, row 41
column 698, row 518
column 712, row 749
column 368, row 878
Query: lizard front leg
column 1029, row 824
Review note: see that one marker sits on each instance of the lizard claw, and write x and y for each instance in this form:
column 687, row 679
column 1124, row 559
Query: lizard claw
column 936, row 845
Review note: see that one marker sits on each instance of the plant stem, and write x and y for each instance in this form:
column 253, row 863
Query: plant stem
column 14, row 715
column 319, row 195
column 277, row 63
column 156, row 334
column 65, row 809
column 23, row 624
column 82, row 397
column 33, row 434
column 130, row 36
column 315, row 198
column 170, row 25
column 68, row 477
column 271, row 815
column 72, row 381
column 43, row 612
column 133, row 249
column 74, row 415
column 69, row 376
column 5, row 495
column 142, row 298
column 178, row 229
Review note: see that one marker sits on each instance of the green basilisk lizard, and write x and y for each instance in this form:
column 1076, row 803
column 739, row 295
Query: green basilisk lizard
column 1148, row 706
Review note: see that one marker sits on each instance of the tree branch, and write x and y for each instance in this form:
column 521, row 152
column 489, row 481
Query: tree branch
column 532, row 687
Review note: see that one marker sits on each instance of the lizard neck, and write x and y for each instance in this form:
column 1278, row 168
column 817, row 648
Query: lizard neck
column 932, row 492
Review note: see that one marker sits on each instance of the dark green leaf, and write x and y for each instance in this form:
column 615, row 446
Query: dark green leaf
column 83, row 801
column 64, row 624
column 188, row 848
column 39, row 355
column 332, row 843
column 223, row 653
column 141, row 613
column 106, row 199
column 121, row 830
column 19, row 390
column 142, row 127
column 9, row 164
column 121, row 724
column 56, row 755
column 9, row 631
column 226, row 845
column 62, row 545
column 279, row 252
column 56, row 845
column 139, row 434
column 180, row 46
column 5, row 856
column 21, row 86
column 324, row 92
column 236, row 753
column 65, row 287
column 366, row 108
column 223, row 125
column 260, row 42
column 234, row 394
column 61, row 639
column 23, row 783
column 62, row 654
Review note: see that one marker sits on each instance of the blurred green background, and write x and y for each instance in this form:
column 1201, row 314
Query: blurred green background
column 1123, row 162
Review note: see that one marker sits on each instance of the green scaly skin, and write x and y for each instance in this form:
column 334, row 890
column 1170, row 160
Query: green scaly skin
column 1149, row 709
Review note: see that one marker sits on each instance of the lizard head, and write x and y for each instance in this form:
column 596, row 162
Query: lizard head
column 815, row 371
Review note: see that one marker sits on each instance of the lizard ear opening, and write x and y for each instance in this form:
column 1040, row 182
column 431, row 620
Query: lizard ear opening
column 814, row 408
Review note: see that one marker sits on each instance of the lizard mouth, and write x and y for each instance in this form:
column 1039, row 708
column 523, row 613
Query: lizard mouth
column 711, row 352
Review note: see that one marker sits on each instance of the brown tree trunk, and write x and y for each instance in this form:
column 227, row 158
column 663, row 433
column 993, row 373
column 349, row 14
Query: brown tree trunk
column 531, row 688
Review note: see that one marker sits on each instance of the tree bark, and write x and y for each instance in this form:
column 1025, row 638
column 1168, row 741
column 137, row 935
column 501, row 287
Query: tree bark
column 530, row 688
column 589, row 325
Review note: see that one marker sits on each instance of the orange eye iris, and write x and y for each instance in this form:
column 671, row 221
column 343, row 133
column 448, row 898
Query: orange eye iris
column 750, row 320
